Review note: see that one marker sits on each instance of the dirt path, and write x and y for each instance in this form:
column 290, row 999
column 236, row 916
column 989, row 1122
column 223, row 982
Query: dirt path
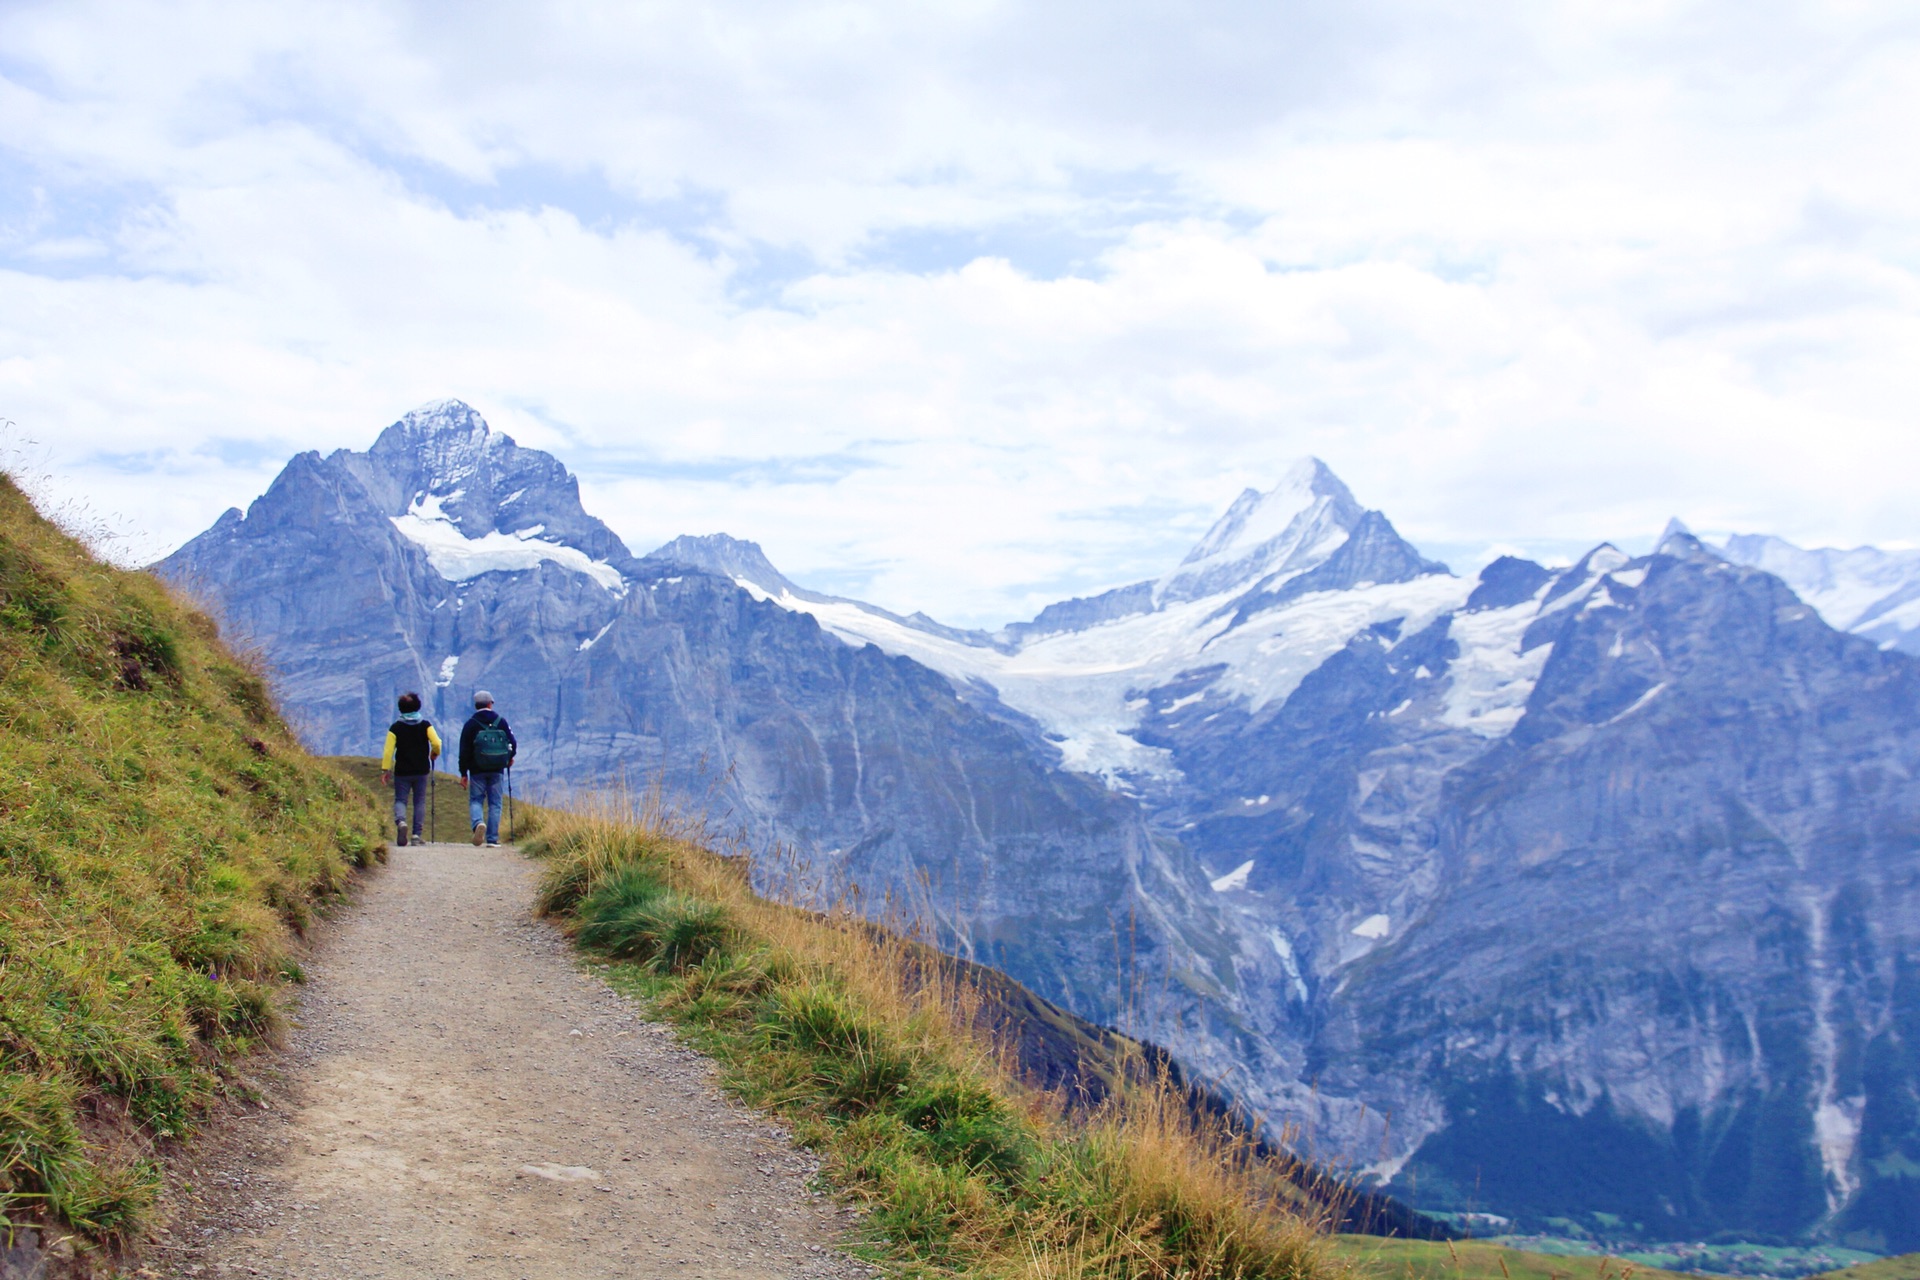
column 460, row 1100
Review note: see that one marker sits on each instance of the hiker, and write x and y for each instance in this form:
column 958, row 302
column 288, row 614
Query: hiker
column 487, row 749
column 407, row 762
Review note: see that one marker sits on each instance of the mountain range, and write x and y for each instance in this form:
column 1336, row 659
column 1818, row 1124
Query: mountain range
column 1565, row 894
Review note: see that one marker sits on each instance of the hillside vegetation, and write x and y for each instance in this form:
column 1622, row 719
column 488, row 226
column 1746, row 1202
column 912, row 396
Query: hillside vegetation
column 163, row 839
column 876, row 1052
column 1373, row 1258
column 1904, row 1267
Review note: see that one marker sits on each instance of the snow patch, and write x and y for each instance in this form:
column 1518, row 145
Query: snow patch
column 1289, row 962
column 431, row 506
column 456, row 557
column 447, row 669
column 1606, row 559
column 595, row 638
column 1234, row 879
column 1384, row 1171
column 1638, row 703
column 1373, row 927
column 1491, row 680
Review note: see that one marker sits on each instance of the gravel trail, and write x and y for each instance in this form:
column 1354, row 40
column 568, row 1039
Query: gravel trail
column 460, row 1100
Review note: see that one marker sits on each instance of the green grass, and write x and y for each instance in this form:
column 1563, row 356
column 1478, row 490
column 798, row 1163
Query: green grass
column 1372, row 1258
column 163, row 839
column 873, row 1050
column 1904, row 1267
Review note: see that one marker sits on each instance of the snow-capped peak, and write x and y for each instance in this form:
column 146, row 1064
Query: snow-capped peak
column 448, row 471
column 1286, row 530
column 444, row 443
column 734, row 558
column 444, row 417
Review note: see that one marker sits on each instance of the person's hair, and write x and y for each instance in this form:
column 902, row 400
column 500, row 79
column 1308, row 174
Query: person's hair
column 409, row 702
column 482, row 699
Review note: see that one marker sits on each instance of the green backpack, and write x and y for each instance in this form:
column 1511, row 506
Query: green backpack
column 492, row 750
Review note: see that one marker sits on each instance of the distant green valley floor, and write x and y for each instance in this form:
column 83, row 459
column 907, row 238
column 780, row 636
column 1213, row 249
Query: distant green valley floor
column 1376, row 1259
column 1904, row 1267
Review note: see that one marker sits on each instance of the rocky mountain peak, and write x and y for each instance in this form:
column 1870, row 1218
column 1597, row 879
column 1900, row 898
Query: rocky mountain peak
column 1288, row 529
column 451, row 480
column 441, row 446
column 1678, row 541
column 1257, row 519
column 732, row 558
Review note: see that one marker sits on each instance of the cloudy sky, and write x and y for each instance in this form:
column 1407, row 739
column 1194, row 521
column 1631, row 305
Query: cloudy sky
column 967, row 306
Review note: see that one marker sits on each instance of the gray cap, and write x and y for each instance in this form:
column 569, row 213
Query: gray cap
column 481, row 698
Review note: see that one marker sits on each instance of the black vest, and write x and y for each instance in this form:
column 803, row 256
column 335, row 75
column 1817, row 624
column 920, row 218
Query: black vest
column 412, row 755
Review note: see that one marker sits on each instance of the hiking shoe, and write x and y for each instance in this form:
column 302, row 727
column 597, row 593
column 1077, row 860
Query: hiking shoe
column 400, row 834
column 418, row 837
column 479, row 833
column 493, row 844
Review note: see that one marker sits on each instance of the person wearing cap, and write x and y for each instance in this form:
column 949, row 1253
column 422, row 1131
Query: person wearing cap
column 487, row 749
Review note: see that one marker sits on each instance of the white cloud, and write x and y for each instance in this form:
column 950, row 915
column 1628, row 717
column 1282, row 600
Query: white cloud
column 968, row 306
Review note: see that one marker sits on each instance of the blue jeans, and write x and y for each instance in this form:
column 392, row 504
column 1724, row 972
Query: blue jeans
column 415, row 786
column 484, row 791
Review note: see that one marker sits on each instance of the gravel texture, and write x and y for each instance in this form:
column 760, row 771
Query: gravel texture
column 460, row 1099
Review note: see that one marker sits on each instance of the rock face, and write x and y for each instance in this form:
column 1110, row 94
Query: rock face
column 1728, row 785
column 1589, row 893
column 1652, row 950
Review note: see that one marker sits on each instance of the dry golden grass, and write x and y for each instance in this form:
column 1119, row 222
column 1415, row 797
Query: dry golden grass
column 875, row 1049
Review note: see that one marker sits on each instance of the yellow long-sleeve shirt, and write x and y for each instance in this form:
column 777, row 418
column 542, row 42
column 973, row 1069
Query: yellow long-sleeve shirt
column 386, row 755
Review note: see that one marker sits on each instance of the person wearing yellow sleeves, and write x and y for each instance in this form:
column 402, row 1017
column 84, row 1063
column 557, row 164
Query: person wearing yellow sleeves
column 407, row 762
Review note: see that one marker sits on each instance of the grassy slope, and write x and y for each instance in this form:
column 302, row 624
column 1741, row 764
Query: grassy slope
column 1904, row 1267
column 1373, row 1258
column 162, row 839
column 873, row 1050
